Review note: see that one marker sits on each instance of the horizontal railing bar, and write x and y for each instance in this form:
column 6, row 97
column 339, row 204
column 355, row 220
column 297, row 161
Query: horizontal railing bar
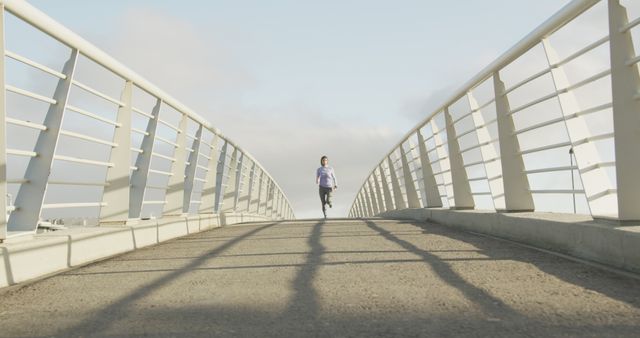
column 87, row 138
column 25, row 124
column 632, row 61
column 484, row 105
column 493, row 178
column 154, row 202
column 199, row 179
column 18, row 152
column 474, row 163
column 163, row 156
column 482, row 193
column 133, row 167
column 539, row 125
column 137, row 150
column 596, row 166
column 158, row 187
column 477, row 179
column 486, row 123
column 205, row 156
column 97, row 93
column 629, row 25
column 142, row 112
column 553, row 169
column 96, row 184
column 602, row 194
column 466, row 133
column 170, row 125
column 93, row 116
column 582, row 51
column 27, row 93
column 442, row 172
column 17, row 181
column 34, row 64
column 166, row 141
column 73, row 205
column 536, row 101
column 589, row 80
column 592, row 110
column 460, row 118
column 477, row 146
column 136, row 130
column 593, row 138
column 193, row 137
column 196, row 202
column 189, row 149
column 83, row 161
column 557, row 191
column 160, row 172
column 553, row 146
column 202, row 167
column 527, row 80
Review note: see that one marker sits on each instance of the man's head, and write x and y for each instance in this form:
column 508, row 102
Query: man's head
column 324, row 161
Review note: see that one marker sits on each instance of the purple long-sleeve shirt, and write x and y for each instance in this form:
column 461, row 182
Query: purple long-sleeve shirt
column 327, row 177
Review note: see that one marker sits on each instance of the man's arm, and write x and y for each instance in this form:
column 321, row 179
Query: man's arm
column 335, row 180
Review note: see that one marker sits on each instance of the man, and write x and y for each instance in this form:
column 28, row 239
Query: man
column 327, row 183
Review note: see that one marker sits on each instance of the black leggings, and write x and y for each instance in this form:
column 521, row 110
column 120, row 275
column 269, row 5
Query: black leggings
column 325, row 196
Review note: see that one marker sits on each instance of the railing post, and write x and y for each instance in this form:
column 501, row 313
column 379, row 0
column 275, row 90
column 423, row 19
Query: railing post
column 220, row 184
column 256, row 202
column 3, row 137
column 359, row 209
column 116, row 192
column 461, row 190
column 395, row 185
column 175, row 188
column 31, row 194
column 381, row 205
column 595, row 179
column 388, row 200
column 244, row 199
column 262, row 204
column 208, row 196
column 372, row 198
column 238, row 180
column 230, row 187
column 252, row 187
column 517, row 195
column 270, row 195
column 489, row 154
column 143, row 164
column 409, row 186
column 194, row 157
column 625, row 83
column 431, row 192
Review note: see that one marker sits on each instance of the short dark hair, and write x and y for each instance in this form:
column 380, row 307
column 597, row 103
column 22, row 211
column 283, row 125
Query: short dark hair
column 322, row 158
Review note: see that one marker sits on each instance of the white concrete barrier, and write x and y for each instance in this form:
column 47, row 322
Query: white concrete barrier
column 30, row 257
column 575, row 235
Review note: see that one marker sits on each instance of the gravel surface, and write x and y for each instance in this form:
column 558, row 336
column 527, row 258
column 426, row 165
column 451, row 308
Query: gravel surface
column 339, row 278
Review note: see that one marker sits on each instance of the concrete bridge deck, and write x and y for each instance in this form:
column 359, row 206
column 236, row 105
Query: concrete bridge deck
column 335, row 278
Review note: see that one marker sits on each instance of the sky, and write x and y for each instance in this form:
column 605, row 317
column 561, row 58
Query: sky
column 292, row 80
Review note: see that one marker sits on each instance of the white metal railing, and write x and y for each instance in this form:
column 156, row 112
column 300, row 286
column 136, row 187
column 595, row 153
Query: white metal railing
column 560, row 137
column 161, row 178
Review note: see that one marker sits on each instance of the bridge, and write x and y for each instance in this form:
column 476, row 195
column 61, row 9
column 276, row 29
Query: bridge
column 510, row 210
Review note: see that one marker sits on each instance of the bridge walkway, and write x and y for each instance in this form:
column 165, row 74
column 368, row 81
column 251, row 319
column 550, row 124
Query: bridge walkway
column 367, row 277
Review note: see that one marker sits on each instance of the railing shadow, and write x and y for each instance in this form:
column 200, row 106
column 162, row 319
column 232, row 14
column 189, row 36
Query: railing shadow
column 569, row 271
column 102, row 319
column 492, row 306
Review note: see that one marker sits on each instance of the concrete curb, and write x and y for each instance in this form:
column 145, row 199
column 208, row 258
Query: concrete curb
column 34, row 256
column 574, row 235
